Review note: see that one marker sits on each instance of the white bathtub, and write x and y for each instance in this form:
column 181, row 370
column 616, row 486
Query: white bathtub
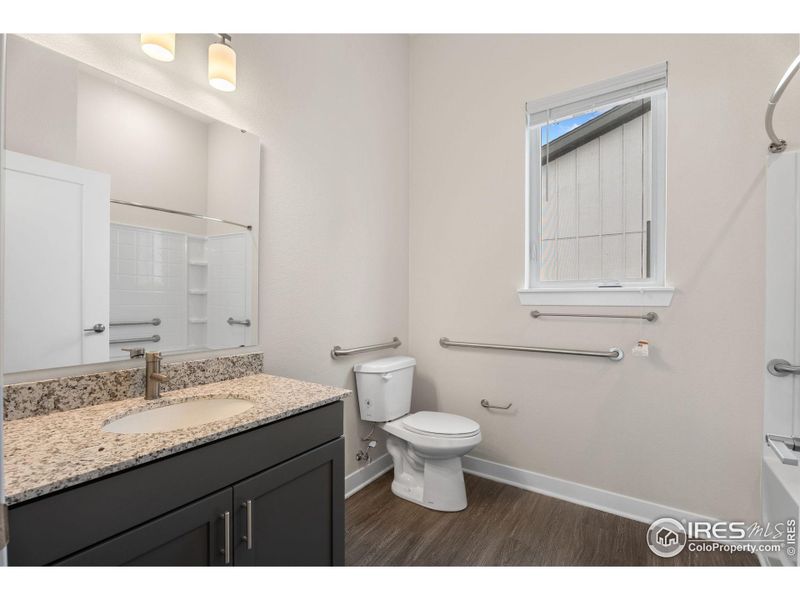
column 780, row 500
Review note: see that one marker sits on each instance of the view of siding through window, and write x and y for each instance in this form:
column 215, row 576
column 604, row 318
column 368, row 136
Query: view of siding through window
column 595, row 195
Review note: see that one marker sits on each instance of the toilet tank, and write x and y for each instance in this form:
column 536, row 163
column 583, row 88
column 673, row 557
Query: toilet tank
column 384, row 387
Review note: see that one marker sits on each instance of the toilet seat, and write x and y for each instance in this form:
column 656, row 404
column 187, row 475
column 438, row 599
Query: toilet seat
column 441, row 424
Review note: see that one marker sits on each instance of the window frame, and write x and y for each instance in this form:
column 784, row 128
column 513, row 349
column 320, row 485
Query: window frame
column 652, row 291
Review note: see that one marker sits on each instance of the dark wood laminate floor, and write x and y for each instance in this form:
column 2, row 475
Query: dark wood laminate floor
column 502, row 525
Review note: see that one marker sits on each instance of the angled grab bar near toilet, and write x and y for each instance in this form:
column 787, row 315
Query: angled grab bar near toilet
column 612, row 354
column 338, row 351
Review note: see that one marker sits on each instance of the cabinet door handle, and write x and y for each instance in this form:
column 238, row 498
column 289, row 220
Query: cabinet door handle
column 226, row 550
column 248, row 506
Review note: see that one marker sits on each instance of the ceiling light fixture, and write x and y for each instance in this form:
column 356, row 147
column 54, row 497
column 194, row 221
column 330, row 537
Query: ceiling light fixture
column 222, row 64
column 160, row 46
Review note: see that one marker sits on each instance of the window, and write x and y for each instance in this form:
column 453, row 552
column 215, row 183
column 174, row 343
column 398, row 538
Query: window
column 596, row 194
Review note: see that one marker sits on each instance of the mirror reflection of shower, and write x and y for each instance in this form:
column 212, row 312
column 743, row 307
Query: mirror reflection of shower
column 133, row 219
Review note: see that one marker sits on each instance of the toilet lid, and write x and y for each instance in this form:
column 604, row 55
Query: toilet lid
column 439, row 423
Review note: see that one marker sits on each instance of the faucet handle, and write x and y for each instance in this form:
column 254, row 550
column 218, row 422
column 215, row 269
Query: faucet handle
column 134, row 352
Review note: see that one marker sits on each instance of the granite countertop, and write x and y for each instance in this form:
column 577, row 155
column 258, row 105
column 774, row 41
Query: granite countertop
column 52, row 452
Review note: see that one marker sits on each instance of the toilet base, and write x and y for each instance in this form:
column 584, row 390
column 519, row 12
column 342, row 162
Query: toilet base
column 435, row 483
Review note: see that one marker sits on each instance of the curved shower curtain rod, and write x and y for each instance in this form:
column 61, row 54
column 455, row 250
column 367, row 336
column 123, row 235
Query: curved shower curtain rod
column 777, row 144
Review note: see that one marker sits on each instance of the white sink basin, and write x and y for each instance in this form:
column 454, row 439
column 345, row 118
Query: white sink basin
column 179, row 416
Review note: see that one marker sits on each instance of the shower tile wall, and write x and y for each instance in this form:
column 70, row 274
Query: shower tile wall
column 228, row 293
column 148, row 280
column 198, row 292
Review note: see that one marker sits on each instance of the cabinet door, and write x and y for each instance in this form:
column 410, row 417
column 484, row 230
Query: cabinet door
column 293, row 514
column 191, row 536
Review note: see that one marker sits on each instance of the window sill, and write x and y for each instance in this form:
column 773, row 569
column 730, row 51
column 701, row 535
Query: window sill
column 628, row 296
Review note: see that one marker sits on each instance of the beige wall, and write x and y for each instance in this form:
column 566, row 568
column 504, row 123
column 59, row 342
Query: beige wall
column 332, row 114
column 681, row 428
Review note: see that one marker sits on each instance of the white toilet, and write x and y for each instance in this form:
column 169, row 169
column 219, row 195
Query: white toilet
column 426, row 447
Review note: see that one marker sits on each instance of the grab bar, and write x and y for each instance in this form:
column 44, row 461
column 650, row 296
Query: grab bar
column 789, row 443
column 651, row 316
column 612, row 354
column 155, row 322
column 338, row 351
column 232, row 321
column 152, row 338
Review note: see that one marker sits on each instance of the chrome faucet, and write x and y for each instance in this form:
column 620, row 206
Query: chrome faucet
column 153, row 377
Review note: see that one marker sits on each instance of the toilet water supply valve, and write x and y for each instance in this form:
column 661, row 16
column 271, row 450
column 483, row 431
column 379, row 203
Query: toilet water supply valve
column 371, row 443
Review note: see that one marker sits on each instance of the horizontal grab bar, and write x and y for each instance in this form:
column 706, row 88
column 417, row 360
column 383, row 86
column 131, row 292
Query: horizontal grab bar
column 651, row 316
column 338, row 351
column 155, row 321
column 612, row 354
column 152, row 338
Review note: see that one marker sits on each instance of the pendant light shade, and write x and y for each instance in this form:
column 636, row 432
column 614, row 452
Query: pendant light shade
column 222, row 64
column 160, row 46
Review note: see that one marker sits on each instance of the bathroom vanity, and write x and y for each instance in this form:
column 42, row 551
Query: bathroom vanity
column 263, row 487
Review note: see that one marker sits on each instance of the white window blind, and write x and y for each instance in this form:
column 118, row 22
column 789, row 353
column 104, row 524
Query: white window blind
column 624, row 88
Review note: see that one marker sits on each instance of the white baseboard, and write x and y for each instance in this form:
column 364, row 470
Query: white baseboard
column 366, row 475
column 577, row 493
column 611, row 502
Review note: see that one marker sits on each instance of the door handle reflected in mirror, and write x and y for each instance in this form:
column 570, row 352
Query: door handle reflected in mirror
column 232, row 321
column 96, row 328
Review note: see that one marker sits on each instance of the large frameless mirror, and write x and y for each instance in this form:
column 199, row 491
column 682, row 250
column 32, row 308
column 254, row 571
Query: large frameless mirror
column 131, row 221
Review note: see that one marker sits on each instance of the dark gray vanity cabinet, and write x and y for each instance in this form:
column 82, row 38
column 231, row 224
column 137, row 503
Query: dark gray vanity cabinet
column 287, row 516
column 193, row 536
column 270, row 496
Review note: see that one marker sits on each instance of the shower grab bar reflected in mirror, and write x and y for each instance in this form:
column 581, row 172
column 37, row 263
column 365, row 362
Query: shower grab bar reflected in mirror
column 776, row 143
column 612, row 354
column 152, row 338
column 651, row 316
column 338, row 351
column 155, row 322
column 182, row 213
